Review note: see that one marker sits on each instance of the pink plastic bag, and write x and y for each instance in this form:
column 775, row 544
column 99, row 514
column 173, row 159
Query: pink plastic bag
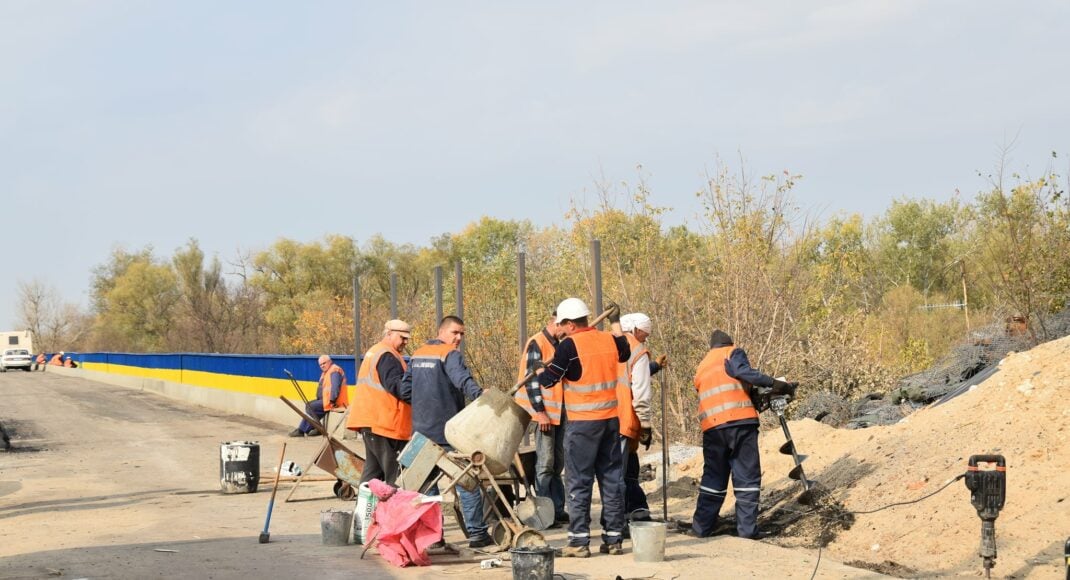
column 403, row 526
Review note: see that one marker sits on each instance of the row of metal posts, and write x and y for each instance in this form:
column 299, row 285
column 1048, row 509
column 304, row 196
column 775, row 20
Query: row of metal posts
column 522, row 304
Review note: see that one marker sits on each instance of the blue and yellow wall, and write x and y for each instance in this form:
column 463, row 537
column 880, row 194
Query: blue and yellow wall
column 243, row 384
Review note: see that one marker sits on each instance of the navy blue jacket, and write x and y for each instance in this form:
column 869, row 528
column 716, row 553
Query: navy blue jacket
column 437, row 390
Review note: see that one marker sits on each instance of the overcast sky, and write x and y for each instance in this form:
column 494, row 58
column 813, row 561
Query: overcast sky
column 237, row 123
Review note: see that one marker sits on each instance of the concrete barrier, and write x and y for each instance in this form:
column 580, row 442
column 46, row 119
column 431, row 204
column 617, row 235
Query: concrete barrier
column 248, row 395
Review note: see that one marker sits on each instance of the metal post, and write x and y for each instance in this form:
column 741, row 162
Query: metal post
column 459, row 275
column 522, row 301
column 965, row 301
column 438, row 294
column 664, row 447
column 596, row 258
column 393, row 295
column 356, row 323
column 460, row 295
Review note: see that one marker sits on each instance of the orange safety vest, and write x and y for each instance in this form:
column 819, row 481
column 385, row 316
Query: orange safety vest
column 721, row 398
column 594, row 396
column 373, row 406
column 552, row 399
column 629, row 420
column 68, row 362
column 56, row 360
column 325, row 389
column 41, row 358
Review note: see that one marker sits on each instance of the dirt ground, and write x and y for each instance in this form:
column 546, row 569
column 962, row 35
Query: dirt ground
column 1021, row 412
column 107, row 482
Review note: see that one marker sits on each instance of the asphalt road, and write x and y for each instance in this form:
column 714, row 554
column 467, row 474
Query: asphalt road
column 109, row 482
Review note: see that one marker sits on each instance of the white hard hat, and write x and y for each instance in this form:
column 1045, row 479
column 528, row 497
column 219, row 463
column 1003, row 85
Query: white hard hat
column 635, row 320
column 571, row 309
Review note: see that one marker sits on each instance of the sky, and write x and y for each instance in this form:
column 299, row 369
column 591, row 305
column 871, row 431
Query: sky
column 128, row 124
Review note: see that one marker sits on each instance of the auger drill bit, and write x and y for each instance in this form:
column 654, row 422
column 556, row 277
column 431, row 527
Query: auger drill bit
column 778, row 404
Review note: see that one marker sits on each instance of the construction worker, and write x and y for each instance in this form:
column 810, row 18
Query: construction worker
column 729, row 422
column 69, row 362
column 546, row 409
column 39, row 362
column 635, row 418
column 586, row 362
column 57, row 359
column 331, row 393
column 381, row 413
column 437, row 383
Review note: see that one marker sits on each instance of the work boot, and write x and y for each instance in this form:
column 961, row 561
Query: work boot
column 297, row 433
column 574, row 552
column 614, row 549
column 480, row 542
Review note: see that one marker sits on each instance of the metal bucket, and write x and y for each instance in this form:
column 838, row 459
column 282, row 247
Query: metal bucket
column 533, row 563
column 239, row 466
column 493, row 424
column 335, row 526
column 648, row 541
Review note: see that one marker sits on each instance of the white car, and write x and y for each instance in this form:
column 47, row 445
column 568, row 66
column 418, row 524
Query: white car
column 16, row 358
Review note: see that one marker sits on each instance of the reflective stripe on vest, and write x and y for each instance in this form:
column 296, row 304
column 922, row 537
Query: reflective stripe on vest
column 629, row 420
column 594, row 395
column 373, row 406
column 722, row 398
column 325, row 389
column 551, row 398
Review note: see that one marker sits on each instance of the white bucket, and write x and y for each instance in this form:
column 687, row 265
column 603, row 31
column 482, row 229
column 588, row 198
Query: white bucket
column 648, row 541
column 362, row 513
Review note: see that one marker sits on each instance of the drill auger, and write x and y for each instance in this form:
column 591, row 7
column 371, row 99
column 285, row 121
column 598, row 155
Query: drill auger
column 777, row 398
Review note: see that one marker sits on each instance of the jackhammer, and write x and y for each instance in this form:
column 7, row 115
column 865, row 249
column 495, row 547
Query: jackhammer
column 988, row 491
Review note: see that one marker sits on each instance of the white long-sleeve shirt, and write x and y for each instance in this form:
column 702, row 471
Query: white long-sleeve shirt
column 641, row 389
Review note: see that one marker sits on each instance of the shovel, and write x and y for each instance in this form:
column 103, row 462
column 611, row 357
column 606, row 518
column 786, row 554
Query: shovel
column 534, row 512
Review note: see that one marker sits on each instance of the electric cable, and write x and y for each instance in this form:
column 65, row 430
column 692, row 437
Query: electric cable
column 839, row 517
column 816, row 564
column 942, row 488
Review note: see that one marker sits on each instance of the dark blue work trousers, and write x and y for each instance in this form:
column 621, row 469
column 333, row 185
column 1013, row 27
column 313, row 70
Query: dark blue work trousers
column 635, row 504
column 549, row 463
column 592, row 452
column 314, row 408
column 728, row 451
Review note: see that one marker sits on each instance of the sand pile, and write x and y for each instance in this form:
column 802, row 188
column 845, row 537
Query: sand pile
column 1022, row 412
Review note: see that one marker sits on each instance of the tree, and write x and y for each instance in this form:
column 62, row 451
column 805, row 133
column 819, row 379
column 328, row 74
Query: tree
column 1022, row 236
column 55, row 325
column 135, row 298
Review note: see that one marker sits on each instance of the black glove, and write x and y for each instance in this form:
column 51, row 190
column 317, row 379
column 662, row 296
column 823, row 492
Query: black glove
column 645, row 437
column 614, row 312
column 784, row 388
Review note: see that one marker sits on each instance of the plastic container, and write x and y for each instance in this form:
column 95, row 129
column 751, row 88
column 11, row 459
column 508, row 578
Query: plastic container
column 239, row 466
column 493, row 424
column 335, row 526
column 362, row 514
column 648, row 541
column 533, row 563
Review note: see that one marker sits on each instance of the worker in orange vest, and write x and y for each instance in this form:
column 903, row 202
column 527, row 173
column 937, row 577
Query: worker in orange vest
column 331, row 393
column 586, row 362
column 729, row 420
column 635, row 413
column 39, row 363
column 381, row 413
column 546, row 407
column 57, row 359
